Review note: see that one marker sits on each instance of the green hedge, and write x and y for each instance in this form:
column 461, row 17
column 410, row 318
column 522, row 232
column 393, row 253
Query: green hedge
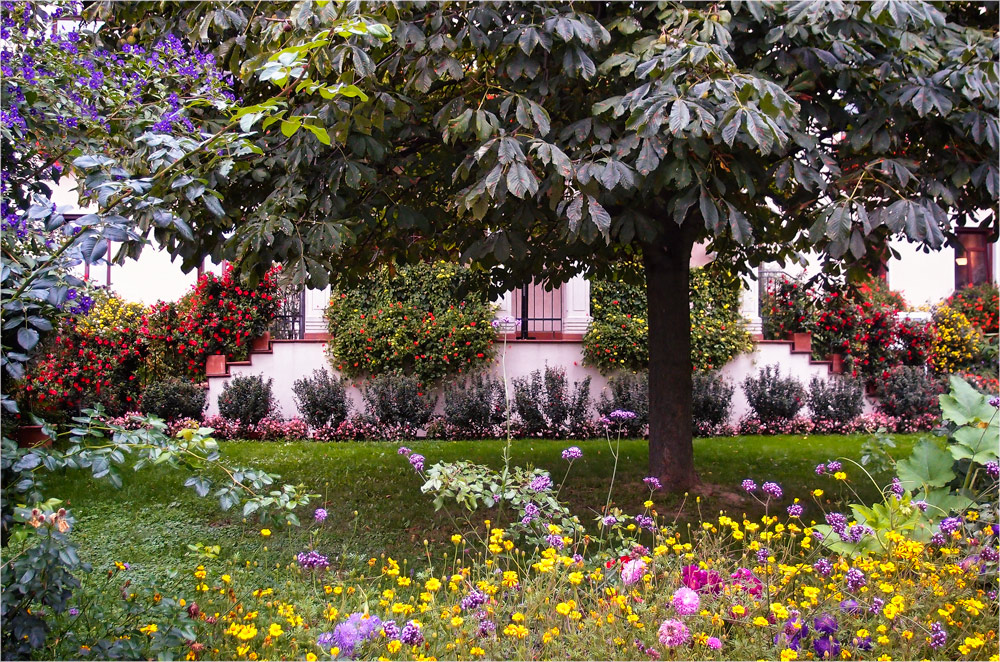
column 428, row 320
column 617, row 337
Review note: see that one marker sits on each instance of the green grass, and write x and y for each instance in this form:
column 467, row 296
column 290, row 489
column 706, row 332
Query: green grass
column 152, row 519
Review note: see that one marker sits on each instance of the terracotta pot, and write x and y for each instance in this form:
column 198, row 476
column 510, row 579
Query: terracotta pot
column 801, row 342
column 837, row 363
column 29, row 436
column 215, row 365
column 261, row 344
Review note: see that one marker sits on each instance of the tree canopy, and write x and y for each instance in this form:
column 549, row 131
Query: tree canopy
column 543, row 139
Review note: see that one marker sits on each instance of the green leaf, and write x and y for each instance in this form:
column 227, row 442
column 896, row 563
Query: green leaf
column 978, row 444
column 321, row 133
column 289, row 127
column 27, row 338
column 927, row 466
column 964, row 404
column 521, row 182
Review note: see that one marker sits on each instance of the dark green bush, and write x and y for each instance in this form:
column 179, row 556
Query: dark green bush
column 773, row 397
column 547, row 407
column 321, row 399
column 174, row 398
column 838, row 399
column 711, row 399
column 476, row 403
column 396, row 399
column 909, row 391
column 247, row 399
column 629, row 393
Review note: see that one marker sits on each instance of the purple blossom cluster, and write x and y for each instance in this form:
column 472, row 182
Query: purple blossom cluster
column 312, row 560
column 572, row 453
column 473, row 600
column 411, row 634
column 653, row 483
column 352, row 633
column 540, row 483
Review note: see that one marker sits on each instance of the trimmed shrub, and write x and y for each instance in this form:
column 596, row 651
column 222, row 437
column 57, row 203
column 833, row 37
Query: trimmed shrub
column 631, row 393
column 547, row 408
column 837, row 400
column 174, row 398
column 772, row 396
column 247, row 399
column 475, row 405
column 398, row 400
column 711, row 400
column 321, row 399
column 908, row 391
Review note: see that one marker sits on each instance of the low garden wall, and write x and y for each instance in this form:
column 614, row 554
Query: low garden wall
column 287, row 361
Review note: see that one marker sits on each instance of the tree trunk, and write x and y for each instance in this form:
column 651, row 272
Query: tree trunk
column 668, row 266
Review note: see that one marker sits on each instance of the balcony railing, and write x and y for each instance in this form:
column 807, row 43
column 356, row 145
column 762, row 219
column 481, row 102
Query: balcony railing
column 539, row 312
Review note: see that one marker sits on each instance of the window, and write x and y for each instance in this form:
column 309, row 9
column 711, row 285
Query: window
column 973, row 258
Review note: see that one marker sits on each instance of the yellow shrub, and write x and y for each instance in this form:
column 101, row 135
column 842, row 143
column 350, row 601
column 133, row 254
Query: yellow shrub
column 955, row 340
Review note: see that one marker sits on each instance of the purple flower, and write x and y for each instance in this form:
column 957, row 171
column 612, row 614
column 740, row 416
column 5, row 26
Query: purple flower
column 325, row 640
column 685, row 601
column 950, row 524
column 995, row 401
column 486, row 628
column 673, row 633
column 897, row 487
column 696, row 579
column 610, row 520
column 355, row 631
column 792, row 632
column 473, row 600
column 855, row 579
column 540, row 483
column 749, row 486
column 820, row 469
column 313, row 560
column 572, row 453
column 772, row 490
column 922, row 505
column 714, row 643
column 645, row 522
column 938, row 636
column 403, row 450
column 876, row 606
column 391, row 630
column 795, row 510
column 622, row 415
column 531, row 510
column 825, row 623
column 417, row 462
column 745, row 580
column 632, row 571
column 555, row 541
column 856, row 534
column 320, row 514
column 823, row 567
column 850, row 606
column 837, row 522
column 993, row 469
column 653, row 483
column 827, row 648
column 73, row 611
column 411, row 634
column 833, row 467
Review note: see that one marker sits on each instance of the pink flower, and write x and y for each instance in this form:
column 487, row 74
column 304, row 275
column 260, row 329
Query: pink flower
column 714, row 643
column 685, row 601
column 673, row 633
column 632, row 571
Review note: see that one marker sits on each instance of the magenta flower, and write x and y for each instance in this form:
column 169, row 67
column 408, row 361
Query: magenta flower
column 685, row 601
column 673, row 633
column 632, row 571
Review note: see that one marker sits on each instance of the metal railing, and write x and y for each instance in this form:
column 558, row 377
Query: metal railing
column 539, row 311
column 290, row 322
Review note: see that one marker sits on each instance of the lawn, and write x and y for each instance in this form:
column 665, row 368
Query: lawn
column 375, row 504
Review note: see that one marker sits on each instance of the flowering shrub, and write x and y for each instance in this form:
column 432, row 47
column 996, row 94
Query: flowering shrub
column 980, row 305
column 617, row 336
column 863, row 331
column 219, row 316
column 629, row 393
column 96, row 357
column 547, row 408
column 913, row 342
column 956, row 341
column 711, row 400
column 788, row 306
column 428, row 320
column 363, row 428
column 772, row 396
column 908, row 391
column 837, row 400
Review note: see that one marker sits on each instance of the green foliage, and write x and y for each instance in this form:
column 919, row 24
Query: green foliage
column 628, row 393
column 546, row 406
column 429, row 320
column 247, row 399
column 838, row 399
column 321, row 399
column 617, row 338
column 773, row 397
column 174, row 398
column 908, row 391
column 475, row 404
column 712, row 399
column 395, row 399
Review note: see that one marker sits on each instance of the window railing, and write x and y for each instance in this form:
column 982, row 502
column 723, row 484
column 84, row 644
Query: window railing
column 539, row 312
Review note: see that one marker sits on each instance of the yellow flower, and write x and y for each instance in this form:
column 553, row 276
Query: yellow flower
column 518, row 617
column 226, row 578
column 457, row 621
column 311, row 657
column 433, row 584
column 394, row 646
column 149, row 629
column 761, row 622
column 275, row 631
column 476, row 650
column 265, row 532
column 457, row 539
column 575, row 577
column 789, row 654
column 817, row 493
column 840, row 475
